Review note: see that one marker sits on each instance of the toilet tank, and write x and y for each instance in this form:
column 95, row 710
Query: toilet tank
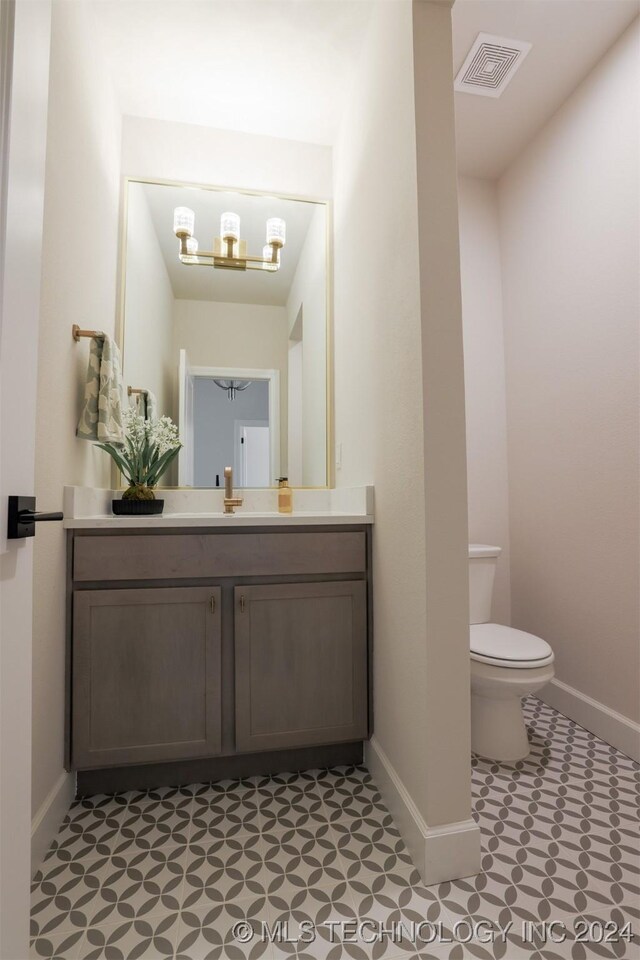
column 482, row 571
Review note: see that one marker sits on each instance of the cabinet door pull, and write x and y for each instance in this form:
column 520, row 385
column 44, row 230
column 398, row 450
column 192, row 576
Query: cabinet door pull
column 212, row 604
column 242, row 603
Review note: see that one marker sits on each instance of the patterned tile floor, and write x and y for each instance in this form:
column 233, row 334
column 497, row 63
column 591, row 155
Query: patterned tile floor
column 171, row 873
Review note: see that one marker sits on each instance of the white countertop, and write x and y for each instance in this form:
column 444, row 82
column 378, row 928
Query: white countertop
column 89, row 508
column 239, row 519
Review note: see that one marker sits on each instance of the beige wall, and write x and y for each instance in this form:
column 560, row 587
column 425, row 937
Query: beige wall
column 79, row 286
column 148, row 358
column 391, row 189
column 244, row 335
column 447, row 732
column 377, row 338
column 484, row 376
column 569, row 231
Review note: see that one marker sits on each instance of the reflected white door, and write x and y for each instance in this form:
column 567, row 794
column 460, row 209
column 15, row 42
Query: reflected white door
column 253, row 452
column 186, row 387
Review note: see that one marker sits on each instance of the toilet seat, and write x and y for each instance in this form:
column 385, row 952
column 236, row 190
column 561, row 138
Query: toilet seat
column 502, row 646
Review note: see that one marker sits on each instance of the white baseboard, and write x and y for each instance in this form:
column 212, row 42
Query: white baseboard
column 612, row 727
column 446, row 852
column 48, row 818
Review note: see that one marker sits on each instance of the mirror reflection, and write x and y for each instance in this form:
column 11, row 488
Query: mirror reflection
column 225, row 330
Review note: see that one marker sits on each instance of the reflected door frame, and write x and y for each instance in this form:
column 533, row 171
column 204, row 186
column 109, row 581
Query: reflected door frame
column 273, row 379
column 186, row 456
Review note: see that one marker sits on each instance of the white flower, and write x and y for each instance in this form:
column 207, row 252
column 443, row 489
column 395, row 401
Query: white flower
column 134, row 426
column 163, row 433
column 145, row 443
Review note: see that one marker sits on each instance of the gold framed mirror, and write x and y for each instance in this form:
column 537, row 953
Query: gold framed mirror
column 231, row 338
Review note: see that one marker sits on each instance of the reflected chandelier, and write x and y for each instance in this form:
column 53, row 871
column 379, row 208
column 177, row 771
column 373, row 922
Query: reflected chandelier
column 229, row 251
column 232, row 386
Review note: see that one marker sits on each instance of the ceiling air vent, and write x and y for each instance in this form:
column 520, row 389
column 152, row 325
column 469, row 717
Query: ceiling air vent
column 490, row 65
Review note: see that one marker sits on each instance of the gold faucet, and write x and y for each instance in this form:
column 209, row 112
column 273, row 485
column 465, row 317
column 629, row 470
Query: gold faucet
column 229, row 500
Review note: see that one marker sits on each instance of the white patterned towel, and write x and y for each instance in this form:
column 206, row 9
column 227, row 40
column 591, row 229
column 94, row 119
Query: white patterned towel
column 101, row 417
column 151, row 406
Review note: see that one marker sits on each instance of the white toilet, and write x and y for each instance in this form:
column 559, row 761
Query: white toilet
column 506, row 664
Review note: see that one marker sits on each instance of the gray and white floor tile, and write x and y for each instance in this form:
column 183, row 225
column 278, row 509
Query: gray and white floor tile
column 224, row 870
column 310, row 865
column 303, row 858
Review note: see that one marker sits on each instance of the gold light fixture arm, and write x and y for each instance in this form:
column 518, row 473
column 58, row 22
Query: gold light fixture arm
column 208, row 258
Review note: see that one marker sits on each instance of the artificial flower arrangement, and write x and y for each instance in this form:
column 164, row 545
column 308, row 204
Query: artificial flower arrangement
column 146, row 452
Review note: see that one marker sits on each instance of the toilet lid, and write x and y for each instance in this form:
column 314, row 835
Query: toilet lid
column 494, row 641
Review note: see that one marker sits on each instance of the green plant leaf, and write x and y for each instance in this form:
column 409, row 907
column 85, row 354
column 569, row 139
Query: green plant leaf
column 132, row 459
column 162, row 464
column 120, row 461
column 138, row 457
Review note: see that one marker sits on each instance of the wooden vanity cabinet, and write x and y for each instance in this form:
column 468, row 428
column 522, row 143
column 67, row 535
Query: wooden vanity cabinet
column 146, row 675
column 301, row 664
column 205, row 653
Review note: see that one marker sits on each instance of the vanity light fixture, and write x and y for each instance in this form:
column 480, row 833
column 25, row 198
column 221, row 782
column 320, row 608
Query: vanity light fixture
column 229, row 251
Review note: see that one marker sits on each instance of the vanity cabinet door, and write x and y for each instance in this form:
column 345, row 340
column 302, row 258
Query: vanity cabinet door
column 146, row 675
column 301, row 664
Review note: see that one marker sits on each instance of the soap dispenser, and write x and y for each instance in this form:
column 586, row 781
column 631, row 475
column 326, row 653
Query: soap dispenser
column 285, row 496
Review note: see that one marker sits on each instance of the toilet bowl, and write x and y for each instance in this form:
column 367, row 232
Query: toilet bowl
column 506, row 665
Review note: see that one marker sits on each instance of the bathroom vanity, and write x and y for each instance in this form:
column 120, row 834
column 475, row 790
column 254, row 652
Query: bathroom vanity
column 204, row 645
column 226, row 647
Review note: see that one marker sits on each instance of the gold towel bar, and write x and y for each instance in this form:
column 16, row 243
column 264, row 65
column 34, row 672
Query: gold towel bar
column 76, row 332
column 131, row 390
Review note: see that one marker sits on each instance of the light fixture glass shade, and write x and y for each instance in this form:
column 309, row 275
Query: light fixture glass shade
column 230, row 226
column 232, row 386
column 192, row 246
column 276, row 231
column 267, row 254
column 183, row 221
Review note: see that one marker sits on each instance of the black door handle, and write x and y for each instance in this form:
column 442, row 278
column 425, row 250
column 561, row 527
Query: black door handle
column 23, row 518
column 30, row 516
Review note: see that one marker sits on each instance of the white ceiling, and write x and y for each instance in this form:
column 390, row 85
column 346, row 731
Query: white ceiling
column 282, row 67
column 207, row 283
column 274, row 67
column 568, row 37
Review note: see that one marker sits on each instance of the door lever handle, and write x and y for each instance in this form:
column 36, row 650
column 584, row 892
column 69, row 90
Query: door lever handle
column 30, row 516
column 23, row 517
